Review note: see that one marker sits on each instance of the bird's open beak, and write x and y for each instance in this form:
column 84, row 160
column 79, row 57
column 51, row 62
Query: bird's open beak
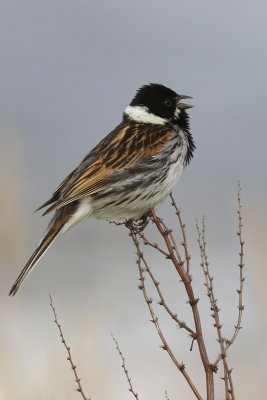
column 183, row 106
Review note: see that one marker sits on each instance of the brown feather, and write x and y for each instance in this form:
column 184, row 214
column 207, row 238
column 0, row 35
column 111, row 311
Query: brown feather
column 121, row 149
column 54, row 228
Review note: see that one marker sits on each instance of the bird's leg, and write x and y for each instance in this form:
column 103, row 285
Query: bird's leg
column 139, row 224
column 142, row 223
column 129, row 224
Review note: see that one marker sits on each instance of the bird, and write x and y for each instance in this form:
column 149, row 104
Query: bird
column 131, row 171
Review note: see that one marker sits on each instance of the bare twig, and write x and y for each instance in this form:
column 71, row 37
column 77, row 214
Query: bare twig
column 69, row 358
column 179, row 266
column 149, row 301
column 124, row 368
column 229, row 389
column 241, row 279
column 162, row 301
column 184, row 242
column 171, row 251
column 166, row 395
column 153, row 245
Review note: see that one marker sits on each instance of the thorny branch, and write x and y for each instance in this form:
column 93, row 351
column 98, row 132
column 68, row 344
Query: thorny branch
column 186, row 279
column 149, row 301
column 229, row 389
column 162, row 301
column 153, row 245
column 166, row 395
column 183, row 268
column 241, row 279
column 184, row 242
column 124, row 368
column 69, row 358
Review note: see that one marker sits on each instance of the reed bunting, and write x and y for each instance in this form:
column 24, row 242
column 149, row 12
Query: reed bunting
column 129, row 172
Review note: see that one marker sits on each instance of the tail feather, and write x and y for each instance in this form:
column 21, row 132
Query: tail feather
column 43, row 246
column 62, row 221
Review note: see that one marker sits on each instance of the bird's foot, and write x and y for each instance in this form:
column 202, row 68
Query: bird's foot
column 138, row 224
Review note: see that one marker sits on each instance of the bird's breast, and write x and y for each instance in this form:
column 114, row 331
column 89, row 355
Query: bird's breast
column 176, row 151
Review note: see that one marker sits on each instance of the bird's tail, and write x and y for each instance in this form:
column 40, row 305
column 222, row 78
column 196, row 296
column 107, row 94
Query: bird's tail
column 52, row 232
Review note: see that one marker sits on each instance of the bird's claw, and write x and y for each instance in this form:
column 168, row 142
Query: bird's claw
column 139, row 224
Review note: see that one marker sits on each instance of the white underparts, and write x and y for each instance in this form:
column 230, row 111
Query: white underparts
column 141, row 114
column 84, row 210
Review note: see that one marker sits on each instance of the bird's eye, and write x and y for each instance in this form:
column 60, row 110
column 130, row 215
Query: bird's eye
column 167, row 103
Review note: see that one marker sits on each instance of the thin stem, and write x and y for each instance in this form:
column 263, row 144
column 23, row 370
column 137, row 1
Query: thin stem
column 229, row 390
column 165, row 346
column 184, row 242
column 166, row 395
column 241, row 279
column 162, row 302
column 69, row 358
column 193, row 302
column 124, row 368
column 148, row 243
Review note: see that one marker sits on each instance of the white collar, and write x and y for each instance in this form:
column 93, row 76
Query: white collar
column 141, row 114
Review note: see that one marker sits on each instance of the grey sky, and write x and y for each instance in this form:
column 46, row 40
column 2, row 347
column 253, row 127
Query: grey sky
column 67, row 71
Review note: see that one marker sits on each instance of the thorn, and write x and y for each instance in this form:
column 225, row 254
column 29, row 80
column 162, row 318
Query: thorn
column 192, row 343
column 193, row 302
column 182, row 367
column 214, row 368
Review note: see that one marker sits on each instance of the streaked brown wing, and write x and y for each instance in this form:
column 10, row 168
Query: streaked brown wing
column 121, row 149
column 56, row 193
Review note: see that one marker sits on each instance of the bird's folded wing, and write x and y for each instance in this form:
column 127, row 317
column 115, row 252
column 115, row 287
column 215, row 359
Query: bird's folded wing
column 120, row 150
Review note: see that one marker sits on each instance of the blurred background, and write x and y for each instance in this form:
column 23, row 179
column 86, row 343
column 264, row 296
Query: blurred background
column 68, row 70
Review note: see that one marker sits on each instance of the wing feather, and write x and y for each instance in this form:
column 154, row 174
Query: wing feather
column 121, row 149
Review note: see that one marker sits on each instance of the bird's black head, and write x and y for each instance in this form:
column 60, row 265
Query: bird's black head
column 160, row 101
column 158, row 105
